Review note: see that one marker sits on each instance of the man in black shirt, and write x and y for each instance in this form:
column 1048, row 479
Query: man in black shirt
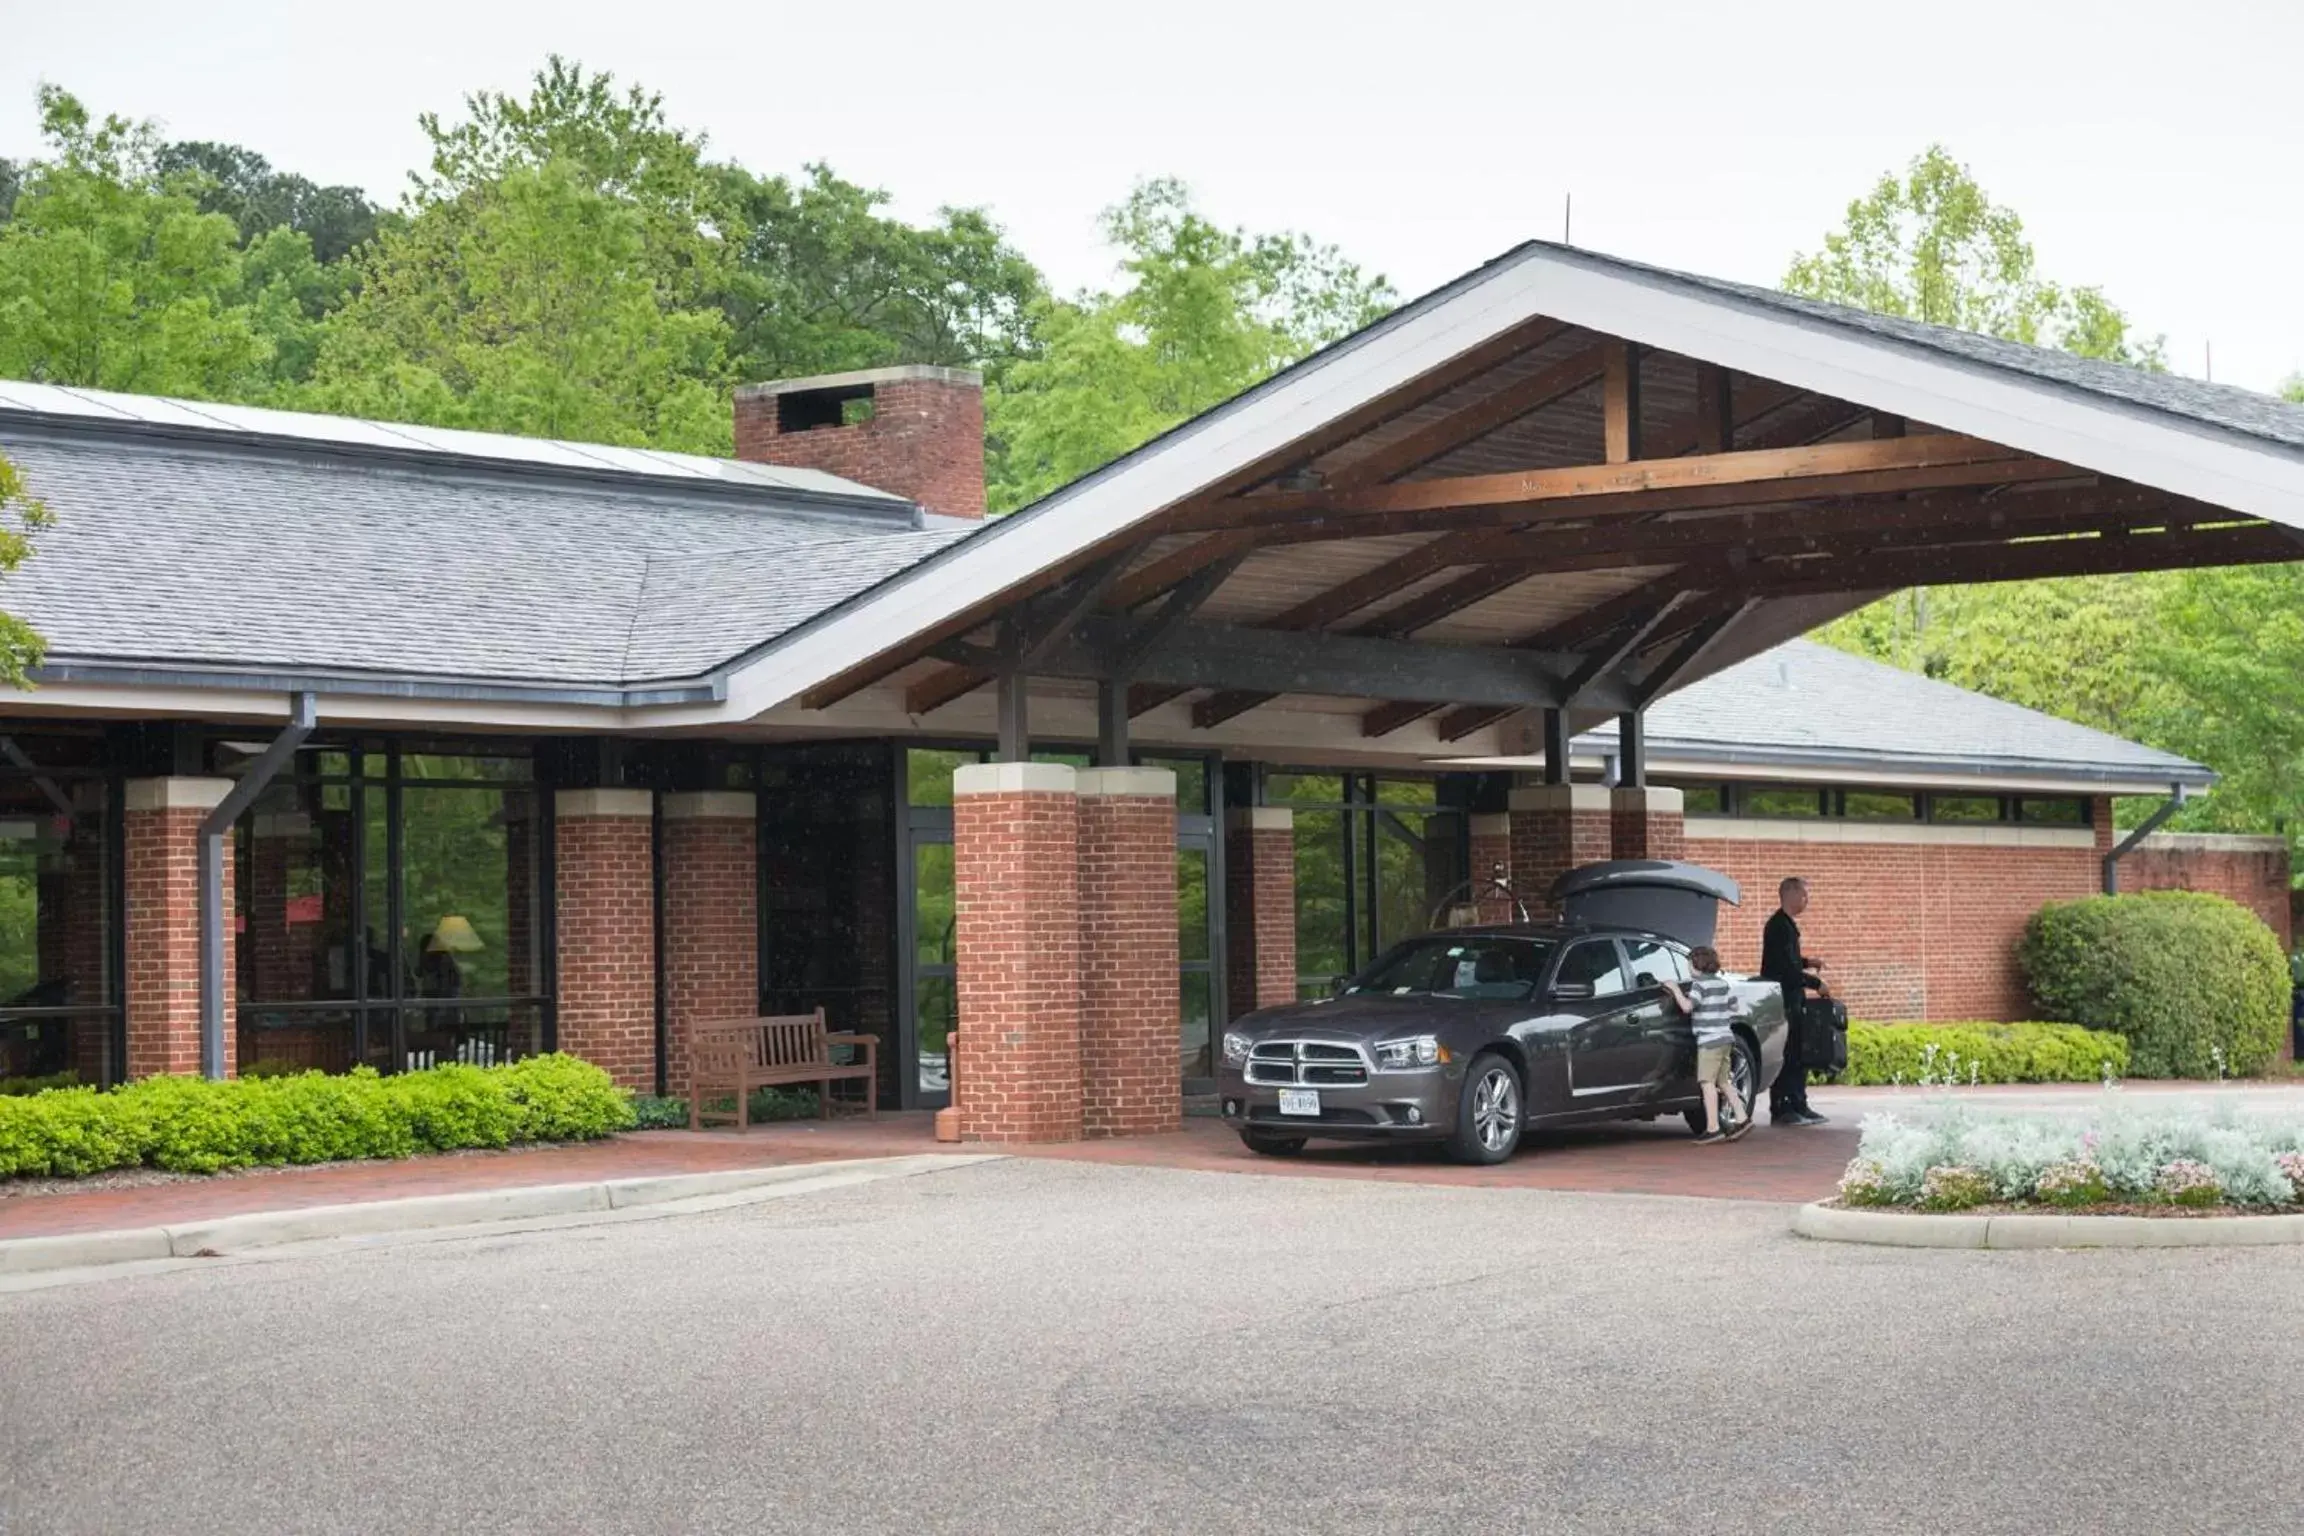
column 1782, row 962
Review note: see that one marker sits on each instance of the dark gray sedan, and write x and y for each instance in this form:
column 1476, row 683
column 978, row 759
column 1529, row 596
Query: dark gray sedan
column 1472, row 1036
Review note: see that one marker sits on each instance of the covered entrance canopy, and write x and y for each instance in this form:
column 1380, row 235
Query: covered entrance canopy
column 1565, row 483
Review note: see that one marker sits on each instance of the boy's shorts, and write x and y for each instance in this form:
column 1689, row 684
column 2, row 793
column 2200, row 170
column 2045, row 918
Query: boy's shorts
column 1712, row 1065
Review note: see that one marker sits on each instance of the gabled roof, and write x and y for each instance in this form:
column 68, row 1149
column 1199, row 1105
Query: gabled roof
column 1805, row 707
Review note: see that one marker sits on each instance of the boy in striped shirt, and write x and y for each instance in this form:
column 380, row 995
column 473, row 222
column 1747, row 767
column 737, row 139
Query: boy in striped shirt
column 1713, row 1008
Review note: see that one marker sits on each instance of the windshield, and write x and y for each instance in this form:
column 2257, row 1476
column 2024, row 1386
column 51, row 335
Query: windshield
column 1457, row 965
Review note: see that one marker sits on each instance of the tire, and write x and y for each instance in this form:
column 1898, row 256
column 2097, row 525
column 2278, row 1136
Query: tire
column 1490, row 1113
column 1744, row 1071
column 1266, row 1144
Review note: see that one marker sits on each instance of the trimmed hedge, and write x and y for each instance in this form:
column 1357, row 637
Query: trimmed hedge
column 190, row 1125
column 2184, row 975
column 2002, row 1053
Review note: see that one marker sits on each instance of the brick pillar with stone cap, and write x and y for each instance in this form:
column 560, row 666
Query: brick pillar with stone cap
column 711, row 919
column 1259, row 907
column 605, row 906
column 1131, row 1008
column 160, row 844
column 1016, row 874
column 1648, row 823
column 1556, row 828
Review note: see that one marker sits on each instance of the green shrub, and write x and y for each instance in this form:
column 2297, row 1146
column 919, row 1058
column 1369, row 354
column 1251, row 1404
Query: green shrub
column 19, row 1087
column 2000, row 1053
column 767, row 1104
column 2196, row 983
column 191, row 1125
column 651, row 1113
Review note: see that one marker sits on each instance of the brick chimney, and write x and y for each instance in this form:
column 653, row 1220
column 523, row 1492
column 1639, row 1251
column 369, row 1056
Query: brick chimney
column 914, row 431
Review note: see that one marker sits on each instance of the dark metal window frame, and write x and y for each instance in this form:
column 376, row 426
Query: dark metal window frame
column 1832, row 801
column 114, row 1012
column 363, row 1008
column 1362, row 811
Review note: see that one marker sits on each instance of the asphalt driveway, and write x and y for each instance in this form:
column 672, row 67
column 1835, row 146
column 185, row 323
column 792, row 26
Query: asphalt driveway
column 1047, row 1346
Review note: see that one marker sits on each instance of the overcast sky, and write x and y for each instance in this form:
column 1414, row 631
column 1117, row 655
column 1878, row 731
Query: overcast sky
column 2153, row 149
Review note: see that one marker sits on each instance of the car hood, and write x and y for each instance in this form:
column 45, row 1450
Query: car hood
column 1372, row 1017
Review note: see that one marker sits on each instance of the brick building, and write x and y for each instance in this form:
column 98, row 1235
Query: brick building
column 500, row 745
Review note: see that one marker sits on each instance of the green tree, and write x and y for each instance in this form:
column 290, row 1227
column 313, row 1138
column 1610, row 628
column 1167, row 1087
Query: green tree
column 553, row 275
column 2232, row 642
column 1933, row 246
column 244, row 187
column 823, row 281
column 21, row 515
column 112, row 278
column 1204, row 313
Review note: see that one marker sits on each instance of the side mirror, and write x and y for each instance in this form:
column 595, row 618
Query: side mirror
column 1571, row 991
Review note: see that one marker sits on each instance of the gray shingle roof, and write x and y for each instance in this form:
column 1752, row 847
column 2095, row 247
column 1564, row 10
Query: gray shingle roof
column 2226, row 407
column 191, row 550
column 1806, row 704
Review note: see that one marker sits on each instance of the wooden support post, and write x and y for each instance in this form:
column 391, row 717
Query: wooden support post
column 1014, row 728
column 1112, row 723
column 1715, row 425
column 1620, row 403
column 1632, row 750
column 1555, row 746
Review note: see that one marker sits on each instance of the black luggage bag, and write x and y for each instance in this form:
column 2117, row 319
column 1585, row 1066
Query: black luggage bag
column 1824, row 1035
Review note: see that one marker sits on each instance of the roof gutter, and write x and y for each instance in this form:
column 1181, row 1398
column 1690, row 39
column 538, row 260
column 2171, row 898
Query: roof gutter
column 711, row 689
column 303, row 715
column 2177, row 795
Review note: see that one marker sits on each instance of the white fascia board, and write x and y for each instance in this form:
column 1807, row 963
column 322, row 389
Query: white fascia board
column 2128, row 441
column 1102, row 507
column 188, row 703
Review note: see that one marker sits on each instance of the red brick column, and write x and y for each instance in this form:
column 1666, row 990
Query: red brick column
column 1556, row 828
column 1259, row 908
column 1016, row 867
column 605, row 900
column 1491, row 855
column 160, row 841
column 1131, row 1008
column 711, row 918
column 1648, row 824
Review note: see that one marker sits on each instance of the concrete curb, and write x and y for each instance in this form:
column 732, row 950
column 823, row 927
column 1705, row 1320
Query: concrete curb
column 1890, row 1229
column 367, row 1218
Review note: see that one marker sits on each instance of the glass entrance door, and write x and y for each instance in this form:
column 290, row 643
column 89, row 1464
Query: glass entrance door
column 935, row 975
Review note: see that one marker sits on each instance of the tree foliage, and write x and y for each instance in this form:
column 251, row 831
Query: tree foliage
column 1933, row 246
column 21, row 515
column 1203, row 313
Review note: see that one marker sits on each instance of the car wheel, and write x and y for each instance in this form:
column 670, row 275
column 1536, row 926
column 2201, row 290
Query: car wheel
column 1266, row 1144
column 1489, row 1112
column 1744, row 1072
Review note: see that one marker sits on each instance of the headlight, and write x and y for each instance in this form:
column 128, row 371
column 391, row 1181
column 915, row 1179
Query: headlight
column 1407, row 1055
column 1235, row 1048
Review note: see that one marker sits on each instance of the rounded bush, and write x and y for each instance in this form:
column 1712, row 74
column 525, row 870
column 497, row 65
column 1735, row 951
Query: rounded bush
column 2185, row 1182
column 2196, row 983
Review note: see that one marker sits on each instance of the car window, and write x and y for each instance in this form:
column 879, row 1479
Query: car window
column 1593, row 963
column 1652, row 962
column 1464, row 965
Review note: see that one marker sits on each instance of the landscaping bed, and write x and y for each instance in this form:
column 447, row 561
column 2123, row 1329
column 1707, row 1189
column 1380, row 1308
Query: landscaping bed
column 2117, row 1158
column 189, row 1125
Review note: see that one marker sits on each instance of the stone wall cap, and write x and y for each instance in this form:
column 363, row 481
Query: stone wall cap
column 1491, row 824
column 900, row 373
column 186, row 794
column 712, row 805
column 1158, row 783
column 2213, row 842
column 604, row 802
column 1261, row 818
column 1555, row 797
column 1656, row 799
column 1015, row 779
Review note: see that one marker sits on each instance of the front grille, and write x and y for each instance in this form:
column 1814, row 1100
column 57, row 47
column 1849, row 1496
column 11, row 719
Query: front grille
column 1306, row 1064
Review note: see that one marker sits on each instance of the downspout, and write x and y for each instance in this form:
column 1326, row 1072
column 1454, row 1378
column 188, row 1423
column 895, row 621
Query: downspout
column 2177, row 795
column 303, row 714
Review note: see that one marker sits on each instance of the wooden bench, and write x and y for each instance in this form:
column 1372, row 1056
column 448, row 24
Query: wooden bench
column 736, row 1056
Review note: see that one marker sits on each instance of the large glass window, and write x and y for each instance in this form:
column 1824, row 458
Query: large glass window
column 1964, row 808
column 1375, row 858
column 1473, row 966
column 389, row 910
column 59, row 1014
column 827, row 895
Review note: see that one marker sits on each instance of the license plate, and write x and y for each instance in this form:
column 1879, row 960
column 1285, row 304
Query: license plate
column 1300, row 1101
